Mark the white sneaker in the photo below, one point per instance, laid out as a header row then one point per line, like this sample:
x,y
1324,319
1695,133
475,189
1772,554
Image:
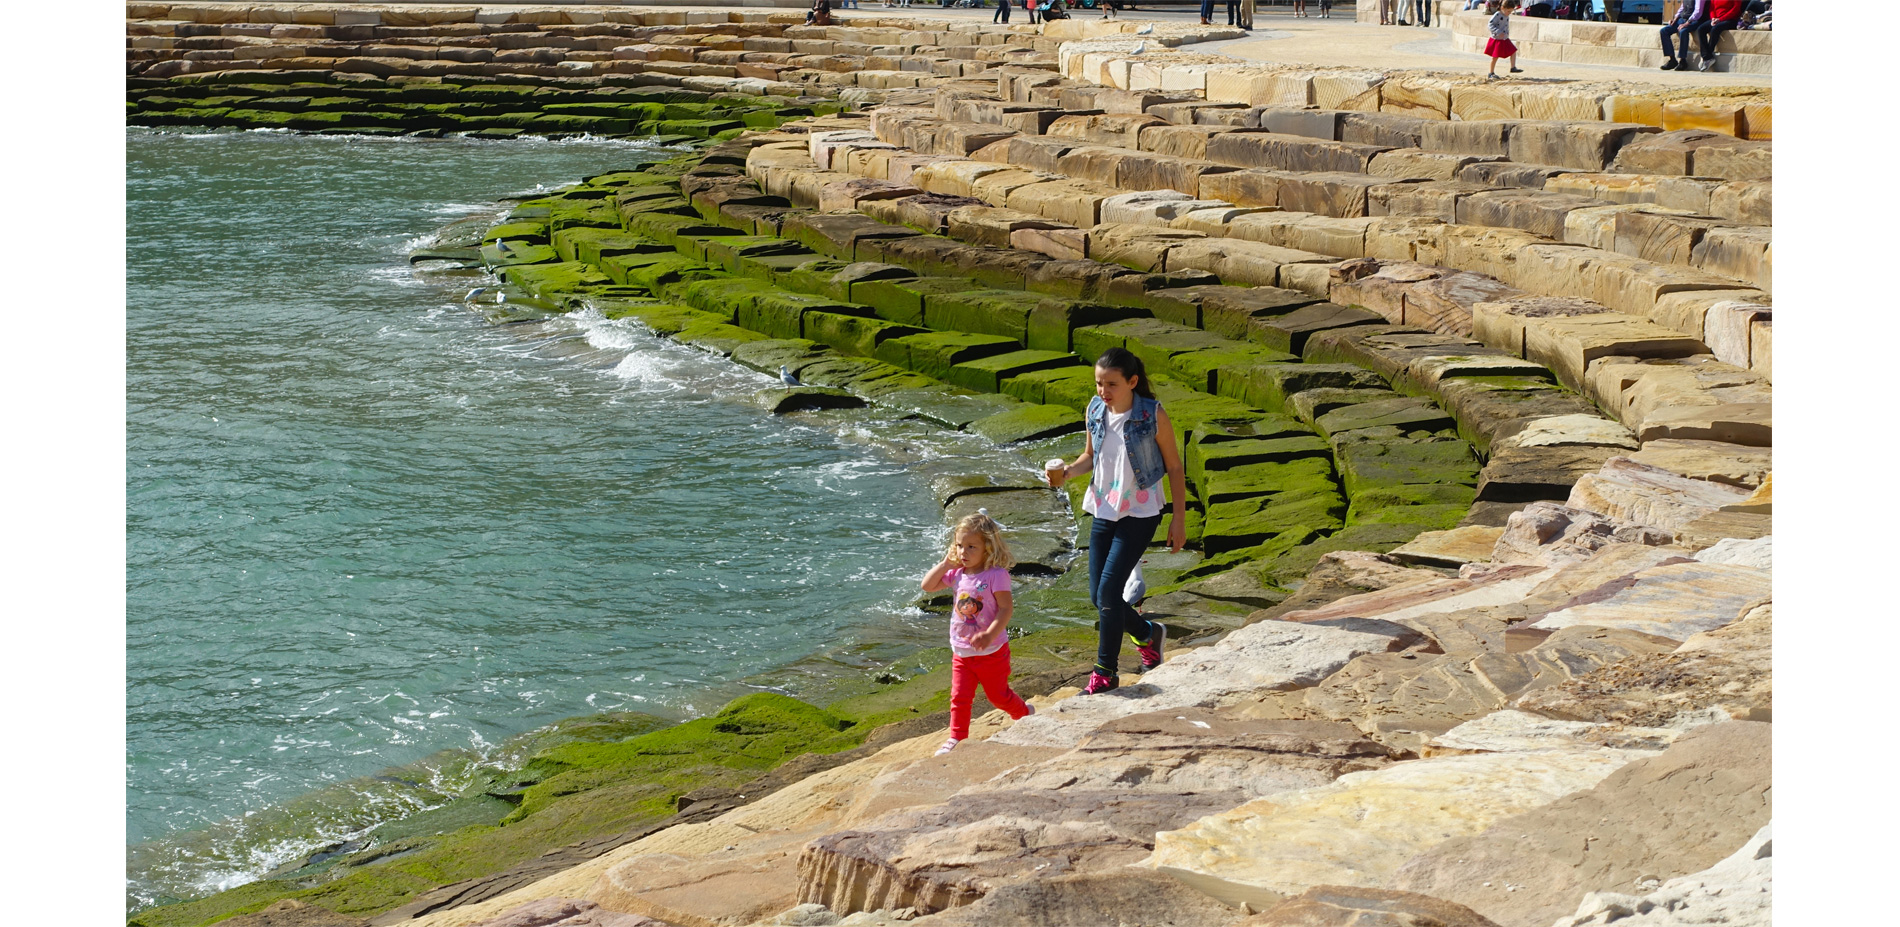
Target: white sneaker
x,y
948,746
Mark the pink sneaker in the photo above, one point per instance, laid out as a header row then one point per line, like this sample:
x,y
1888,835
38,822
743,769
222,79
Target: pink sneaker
x,y
948,746
1099,683
1151,650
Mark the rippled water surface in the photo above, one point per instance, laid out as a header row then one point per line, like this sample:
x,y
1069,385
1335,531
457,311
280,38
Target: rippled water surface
x,y
364,525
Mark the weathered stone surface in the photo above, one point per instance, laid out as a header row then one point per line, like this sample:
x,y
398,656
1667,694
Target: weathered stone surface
x,y
1350,906
1361,828
1632,493
1525,474
567,912
1405,700
1735,464
1737,891
1673,600
1548,534
1511,731
1142,247
1089,811
990,226
1562,430
1252,187
1263,655
1453,548
1242,263
1655,818
1589,146
1439,595
1343,573
1724,673
293,913
801,398
1538,212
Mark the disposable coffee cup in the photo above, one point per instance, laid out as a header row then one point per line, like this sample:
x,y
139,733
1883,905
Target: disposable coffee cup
x,y
1052,467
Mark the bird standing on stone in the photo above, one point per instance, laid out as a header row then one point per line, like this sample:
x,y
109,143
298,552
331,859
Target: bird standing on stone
x,y
786,377
1146,30
1140,47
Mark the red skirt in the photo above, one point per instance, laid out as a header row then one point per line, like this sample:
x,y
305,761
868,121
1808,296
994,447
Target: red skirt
x,y
1500,48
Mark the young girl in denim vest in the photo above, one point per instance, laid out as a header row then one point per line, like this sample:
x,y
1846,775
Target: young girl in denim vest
x,y
1130,447
977,567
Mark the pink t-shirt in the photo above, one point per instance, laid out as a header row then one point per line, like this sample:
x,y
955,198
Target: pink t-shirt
x,y
973,607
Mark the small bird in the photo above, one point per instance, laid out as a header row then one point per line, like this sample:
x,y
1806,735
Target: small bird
x,y
1146,30
1140,47
986,514
786,377
472,294
1136,590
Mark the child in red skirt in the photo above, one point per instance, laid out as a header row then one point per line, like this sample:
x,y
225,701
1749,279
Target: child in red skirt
x,y
1500,44
977,567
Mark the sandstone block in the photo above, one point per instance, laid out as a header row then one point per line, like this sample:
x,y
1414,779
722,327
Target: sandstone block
x,y
1656,818
1361,828
1659,236
1399,238
1537,212
1340,195
1269,150
1424,97
1414,164
1077,203
1718,461
1385,129
1180,141
1595,226
1242,187
1062,244
1436,199
1577,145
1672,153
1568,345
1511,174
1716,115
1747,202
1164,172
1025,152
1121,130
1476,102
1610,188
1633,493
1142,247
1241,263
1321,124
990,226
1341,905
952,177
1745,254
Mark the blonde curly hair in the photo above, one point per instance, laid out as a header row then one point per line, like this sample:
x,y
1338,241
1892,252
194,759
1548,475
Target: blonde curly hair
x,y
996,550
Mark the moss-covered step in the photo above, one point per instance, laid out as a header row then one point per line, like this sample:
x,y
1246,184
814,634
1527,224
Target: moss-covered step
x,y
500,254
1204,457
1028,423
901,300
1289,332
987,374
1312,473
933,354
840,234
1408,414
1366,465
854,334
1071,387
1268,385
1249,521
593,244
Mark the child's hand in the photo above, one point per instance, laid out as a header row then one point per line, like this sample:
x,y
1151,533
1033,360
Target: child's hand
x,y
983,638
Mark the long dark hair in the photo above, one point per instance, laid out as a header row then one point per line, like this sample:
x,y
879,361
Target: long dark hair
x,y
1124,362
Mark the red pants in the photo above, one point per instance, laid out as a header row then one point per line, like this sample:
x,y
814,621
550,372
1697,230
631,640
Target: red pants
x,y
991,671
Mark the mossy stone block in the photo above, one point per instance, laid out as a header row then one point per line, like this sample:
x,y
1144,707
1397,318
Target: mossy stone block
x,y
1423,517
816,276
934,353
768,355
1268,385
1205,458
718,337
726,250
724,296
1194,413
669,229
1201,368
1364,466
1054,321
1304,475
1028,423
572,213
1071,387
783,400
1253,520
666,319
525,232
902,300
946,405
853,334
986,374
501,254
1289,332
659,274
553,280
982,311
591,244
1409,414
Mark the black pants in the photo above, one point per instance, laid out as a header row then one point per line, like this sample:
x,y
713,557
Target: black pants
x,y
1233,12
1114,549
1682,34
1002,12
1711,33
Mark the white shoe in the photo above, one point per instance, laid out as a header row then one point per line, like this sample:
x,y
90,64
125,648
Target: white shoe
x,y
948,746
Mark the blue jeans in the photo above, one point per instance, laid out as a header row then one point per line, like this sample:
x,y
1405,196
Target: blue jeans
x,y
1682,32
1422,10
1207,10
1114,549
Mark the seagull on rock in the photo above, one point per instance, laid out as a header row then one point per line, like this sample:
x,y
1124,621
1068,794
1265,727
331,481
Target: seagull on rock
x,y
474,293
1140,47
1146,30
786,377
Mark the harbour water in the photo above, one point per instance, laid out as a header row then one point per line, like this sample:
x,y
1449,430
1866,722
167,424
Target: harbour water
x,y
364,525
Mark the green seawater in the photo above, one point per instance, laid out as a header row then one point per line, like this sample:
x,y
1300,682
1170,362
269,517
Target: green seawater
x,y
364,525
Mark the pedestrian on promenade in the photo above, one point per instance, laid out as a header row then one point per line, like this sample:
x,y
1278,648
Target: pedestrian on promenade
x,y
1129,447
1030,5
1690,16
1723,16
1233,12
1326,9
1422,11
1299,8
1002,12
977,568
1500,44
1207,12
1385,12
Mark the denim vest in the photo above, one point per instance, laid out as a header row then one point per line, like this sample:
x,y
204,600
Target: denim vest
x,y
1138,436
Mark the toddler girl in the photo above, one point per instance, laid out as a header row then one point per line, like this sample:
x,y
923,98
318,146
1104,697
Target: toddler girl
x,y
977,567
1500,44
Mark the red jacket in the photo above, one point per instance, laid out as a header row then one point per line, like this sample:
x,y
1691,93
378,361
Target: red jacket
x,y
1725,10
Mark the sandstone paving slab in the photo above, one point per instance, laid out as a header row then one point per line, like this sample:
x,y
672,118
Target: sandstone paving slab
x,y
1547,534
1263,655
1714,675
1361,828
1739,890
1438,595
1671,600
1632,493
1511,731
1567,430
1356,906
1453,548
1735,464
1091,810
1658,817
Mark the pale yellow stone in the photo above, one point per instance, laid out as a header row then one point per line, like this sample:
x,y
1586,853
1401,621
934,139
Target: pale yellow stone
x,y
1360,828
